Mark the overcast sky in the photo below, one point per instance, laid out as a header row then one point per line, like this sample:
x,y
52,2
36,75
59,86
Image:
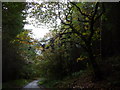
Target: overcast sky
x,y
37,32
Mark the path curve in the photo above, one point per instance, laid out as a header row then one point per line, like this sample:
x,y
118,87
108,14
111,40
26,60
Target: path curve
x,y
32,84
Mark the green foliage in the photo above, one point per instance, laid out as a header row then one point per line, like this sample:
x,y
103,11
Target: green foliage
x,y
76,74
48,83
12,19
19,50
75,42
54,62
62,60
15,84
15,53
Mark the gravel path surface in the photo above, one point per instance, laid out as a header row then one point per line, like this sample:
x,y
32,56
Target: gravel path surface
x,y
32,84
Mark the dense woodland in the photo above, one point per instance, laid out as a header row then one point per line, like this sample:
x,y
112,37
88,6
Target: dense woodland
x,y
82,49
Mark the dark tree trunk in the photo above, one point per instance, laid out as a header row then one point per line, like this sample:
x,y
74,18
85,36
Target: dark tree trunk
x,y
97,76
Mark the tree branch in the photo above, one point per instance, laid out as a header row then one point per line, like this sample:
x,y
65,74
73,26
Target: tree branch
x,y
103,10
96,9
92,21
62,20
80,10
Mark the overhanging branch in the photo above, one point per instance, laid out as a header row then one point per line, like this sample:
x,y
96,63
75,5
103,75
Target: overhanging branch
x,y
79,9
103,10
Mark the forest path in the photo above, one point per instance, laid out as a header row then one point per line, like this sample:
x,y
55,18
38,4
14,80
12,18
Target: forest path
x,y
33,85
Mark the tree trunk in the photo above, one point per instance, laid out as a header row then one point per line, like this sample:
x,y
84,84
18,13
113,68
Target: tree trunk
x,y
96,70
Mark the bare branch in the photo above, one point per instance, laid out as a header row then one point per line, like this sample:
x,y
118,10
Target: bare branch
x,y
62,20
69,13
